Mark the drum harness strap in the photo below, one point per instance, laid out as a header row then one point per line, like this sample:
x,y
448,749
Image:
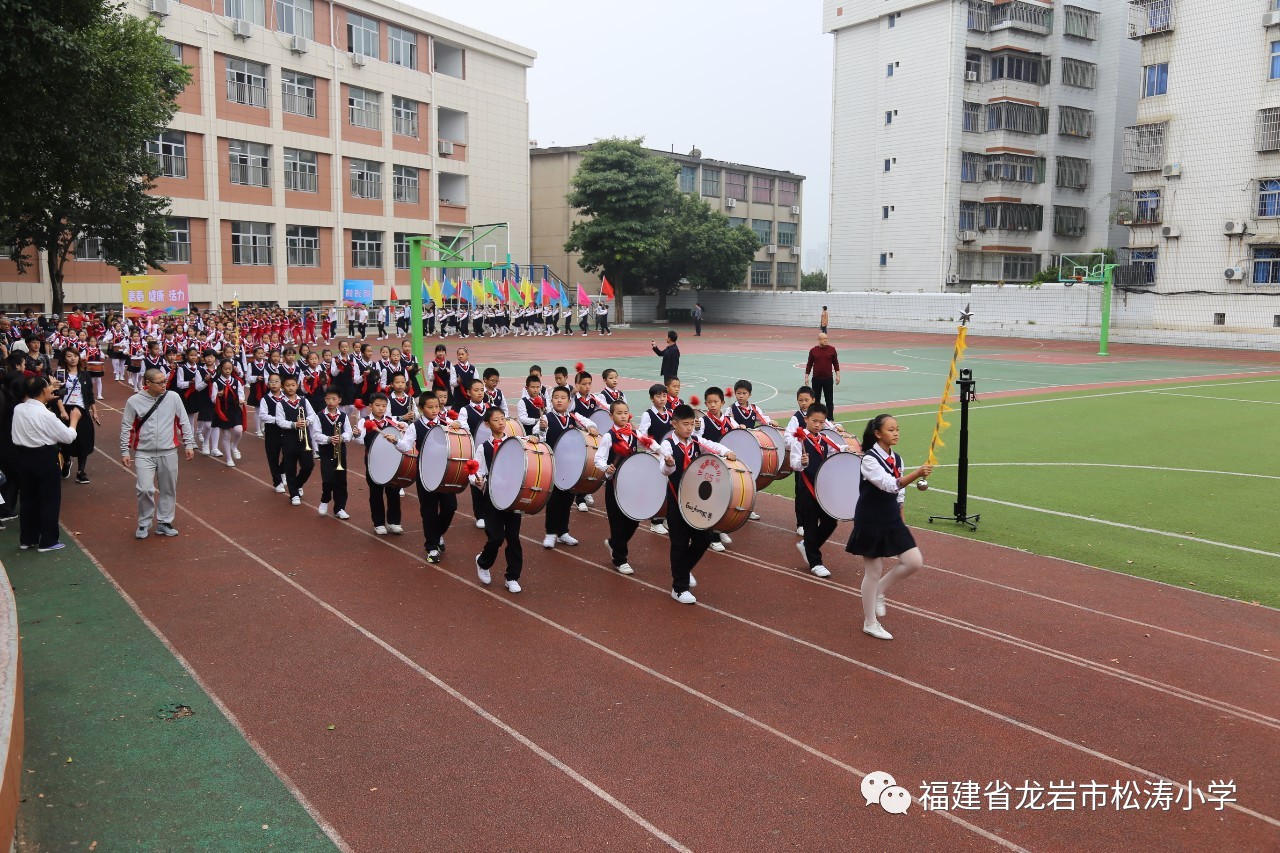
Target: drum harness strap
x,y
820,443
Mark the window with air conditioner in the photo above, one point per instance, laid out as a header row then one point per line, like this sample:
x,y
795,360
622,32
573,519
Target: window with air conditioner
x,y
735,186
362,35
296,18
969,212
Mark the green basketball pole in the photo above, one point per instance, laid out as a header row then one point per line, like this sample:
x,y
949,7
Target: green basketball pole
x,y
1108,276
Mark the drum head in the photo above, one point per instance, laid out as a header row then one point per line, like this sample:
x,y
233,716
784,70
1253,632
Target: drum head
x,y
601,419
746,447
506,477
839,439
837,484
570,459
640,486
435,457
384,458
515,428
705,491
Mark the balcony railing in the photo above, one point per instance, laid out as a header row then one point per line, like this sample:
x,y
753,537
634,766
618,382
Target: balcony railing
x,y
307,182
298,105
1144,147
1147,17
172,165
406,126
246,93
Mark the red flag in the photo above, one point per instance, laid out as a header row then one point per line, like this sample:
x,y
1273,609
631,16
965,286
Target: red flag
x,y
606,289
394,298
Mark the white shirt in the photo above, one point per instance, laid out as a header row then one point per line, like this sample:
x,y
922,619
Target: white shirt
x,y
875,474
36,426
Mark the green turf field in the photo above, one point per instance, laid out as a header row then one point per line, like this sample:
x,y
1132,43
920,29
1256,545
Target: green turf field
x,y
1199,460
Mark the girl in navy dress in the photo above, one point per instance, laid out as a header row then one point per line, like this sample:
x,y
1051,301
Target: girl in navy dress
x,y
878,528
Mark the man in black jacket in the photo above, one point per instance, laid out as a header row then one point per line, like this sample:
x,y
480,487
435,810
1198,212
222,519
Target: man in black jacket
x,y
670,357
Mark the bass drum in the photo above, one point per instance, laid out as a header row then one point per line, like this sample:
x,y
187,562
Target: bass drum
x,y
521,477
640,486
387,465
604,423
755,449
716,494
784,455
445,454
837,484
575,465
839,440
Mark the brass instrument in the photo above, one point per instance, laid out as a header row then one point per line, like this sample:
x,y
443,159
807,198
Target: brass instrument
x,y
303,432
336,440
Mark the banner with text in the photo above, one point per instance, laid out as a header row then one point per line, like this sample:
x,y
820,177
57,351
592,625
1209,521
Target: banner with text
x,y
357,290
153,295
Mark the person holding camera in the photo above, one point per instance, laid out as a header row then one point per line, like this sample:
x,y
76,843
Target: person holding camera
x,y
37,434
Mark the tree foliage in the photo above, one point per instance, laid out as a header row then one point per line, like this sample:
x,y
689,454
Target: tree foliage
x,y
816,280
90,86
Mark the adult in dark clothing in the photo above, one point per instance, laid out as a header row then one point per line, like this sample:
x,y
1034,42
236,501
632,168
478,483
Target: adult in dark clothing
x,y
824,364
697,319
670,357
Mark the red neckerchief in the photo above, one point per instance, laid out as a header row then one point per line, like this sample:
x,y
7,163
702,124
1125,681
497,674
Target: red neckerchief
x,y
588,401
892,461
672,402
614,396
688,452
402,399
719,422
662,416
478,408
563,419
624,440
751,409
333,418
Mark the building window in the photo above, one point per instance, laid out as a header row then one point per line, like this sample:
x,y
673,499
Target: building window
x,y
1146,207
1020,267
971,167
884,212
888,116
992,266
178,250
1023,68
302,245
448,59
400,244
1266,264
1013,167
404,116
884,259
787,273
246,82
176,50
969,215
888,164
366,179
251,244
979,17
1019,118
404,184
711,182
688,179
762,189
1010,216
362,35
1073,172
1155,78
1143,263
1070,221
786,236
763,229
972,117
736,221
1269,197
888,70
402,47
1073,121
891,20
762,274
1081,23
1078,73
1144,147
254,11
298,93
89,248
250,163
735,186
1149,16
1268,129
301,171
366,249
296,17
788,193
1275,60
1022,16
170,151
973,67
364,108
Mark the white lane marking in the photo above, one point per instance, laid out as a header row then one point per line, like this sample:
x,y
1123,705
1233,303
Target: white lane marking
x,y
1209,397
1109,465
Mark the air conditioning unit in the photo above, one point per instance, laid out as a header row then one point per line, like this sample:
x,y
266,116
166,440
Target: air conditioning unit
x,y
771,250
795,210
795,251
968,236
241,29
730,202
1233,273
446,148
1170,232
159,7
953,279
1271,19
971,76
357,59
299,44
1235,226
1173,170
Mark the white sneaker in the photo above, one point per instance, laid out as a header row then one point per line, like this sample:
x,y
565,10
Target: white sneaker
x,y
402,493
880,607
660,529
567,539
296,500
323,509
280,488
875,630
725,540
625,569
582,507
231,463
395,528
216,453
549,541
754,516
513,586
235,453
342,514
591,501
685,597
204,450
480,523
380,530
717,546
799,531
483,574
692,581
821,571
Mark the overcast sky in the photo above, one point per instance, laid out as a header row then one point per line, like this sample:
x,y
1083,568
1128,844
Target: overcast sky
x,y
746,81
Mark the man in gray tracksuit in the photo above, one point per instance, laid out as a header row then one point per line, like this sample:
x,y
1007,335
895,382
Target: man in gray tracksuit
x,y
153,424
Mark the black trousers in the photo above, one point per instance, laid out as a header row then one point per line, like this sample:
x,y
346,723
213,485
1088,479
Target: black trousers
x,y
697,327
382,329
297,463
333,480
687,547
502,525
384,503
818,526
827,386
271,441
621,528
351,328
559,506
437,510
480,503
39,495
9,491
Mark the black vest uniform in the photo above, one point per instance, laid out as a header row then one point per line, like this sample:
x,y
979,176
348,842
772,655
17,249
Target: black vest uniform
x,y
436,508
297,461
271,438
818,525
713,431
345,380
190,396
384,501
529,410
611,397
587,406
659,424
440,376
687,544
368,381
878,527
746,418
500,526
412,370
399,408
332,479
495,399
463,375
474,418
621,528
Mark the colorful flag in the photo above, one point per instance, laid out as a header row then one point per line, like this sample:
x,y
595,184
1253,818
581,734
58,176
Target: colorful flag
x,y
394,298
493,290
526,292
583,299
433,290
448,290
606,289
466,292
514,296
564,297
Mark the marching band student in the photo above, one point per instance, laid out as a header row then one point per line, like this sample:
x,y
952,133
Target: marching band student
x,y
532,407
559,421
460,379
673,393
712,426
295,418
493,396
441,370
464,321
610,394
809,449
437,508
345,376
188,381
384,501
474,414
330,436
656,423
568,321
204,417
227,393
620,442
744,412
502,525
399,403
412,369
289,366
367,384
804,399
561,376
585,404
687,545
268,411
602,317
136,351
879,530
584,311
314,381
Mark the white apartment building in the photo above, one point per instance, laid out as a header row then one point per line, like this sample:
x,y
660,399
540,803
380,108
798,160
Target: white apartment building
x,y
974,141
1204,156
315,137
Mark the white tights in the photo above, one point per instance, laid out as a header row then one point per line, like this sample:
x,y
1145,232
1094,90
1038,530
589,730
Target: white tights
x,y
876,582
227,440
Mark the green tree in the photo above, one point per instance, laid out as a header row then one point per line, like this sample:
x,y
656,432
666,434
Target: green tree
x,y
89,86
816,280
700,248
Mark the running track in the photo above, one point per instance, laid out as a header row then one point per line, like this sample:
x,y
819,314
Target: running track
x,y
591,711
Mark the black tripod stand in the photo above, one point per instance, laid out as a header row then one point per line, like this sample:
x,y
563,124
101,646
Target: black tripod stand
x,y
968,388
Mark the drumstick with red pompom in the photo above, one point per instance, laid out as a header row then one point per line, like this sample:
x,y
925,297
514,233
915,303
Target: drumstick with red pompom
x,y
695,402
579,367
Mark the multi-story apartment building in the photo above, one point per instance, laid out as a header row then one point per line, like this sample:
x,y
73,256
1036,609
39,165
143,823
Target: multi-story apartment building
x,y
973,141
1204,156
314,137
769,201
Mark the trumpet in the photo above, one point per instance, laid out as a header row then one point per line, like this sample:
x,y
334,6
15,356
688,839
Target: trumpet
x,y
336,441
303,432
